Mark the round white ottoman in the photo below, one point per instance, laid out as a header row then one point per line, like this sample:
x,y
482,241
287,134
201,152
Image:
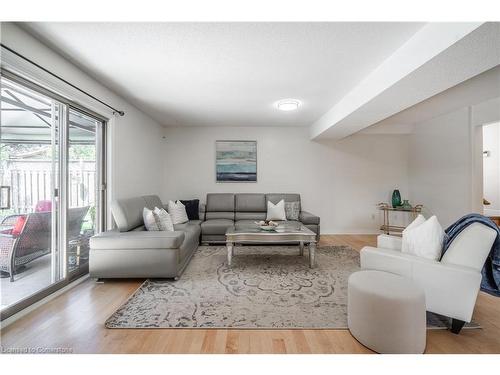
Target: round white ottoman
x,y
386,312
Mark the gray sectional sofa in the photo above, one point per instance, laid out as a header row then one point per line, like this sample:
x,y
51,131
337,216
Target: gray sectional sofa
x,y
132,252
223,210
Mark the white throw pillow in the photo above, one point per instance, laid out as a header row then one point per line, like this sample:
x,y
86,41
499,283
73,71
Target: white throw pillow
x,y
276,211
177,212
424,240
149,220
164,220
420,219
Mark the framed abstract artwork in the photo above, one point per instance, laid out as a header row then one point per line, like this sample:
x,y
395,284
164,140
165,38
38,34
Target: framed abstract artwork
x,y
236,161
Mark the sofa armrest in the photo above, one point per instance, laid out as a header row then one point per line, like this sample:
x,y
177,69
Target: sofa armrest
x,y
385,241
133,240
450,290
308,218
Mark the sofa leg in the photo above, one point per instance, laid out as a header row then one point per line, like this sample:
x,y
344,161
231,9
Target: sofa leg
x,y
456,326
99,280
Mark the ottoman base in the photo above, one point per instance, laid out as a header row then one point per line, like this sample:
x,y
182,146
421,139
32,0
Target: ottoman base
x,y
386,312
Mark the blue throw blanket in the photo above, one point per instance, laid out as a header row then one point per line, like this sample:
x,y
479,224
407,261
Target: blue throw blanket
x,y
491,270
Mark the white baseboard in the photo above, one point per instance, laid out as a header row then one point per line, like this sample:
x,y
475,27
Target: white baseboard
x,y
27,310
491,212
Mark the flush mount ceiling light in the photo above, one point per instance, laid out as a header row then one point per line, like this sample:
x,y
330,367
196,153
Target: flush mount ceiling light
x,y
288,104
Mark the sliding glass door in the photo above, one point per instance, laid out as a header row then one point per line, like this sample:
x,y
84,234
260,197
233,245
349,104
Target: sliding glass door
x,y
30,258
84,187
51,193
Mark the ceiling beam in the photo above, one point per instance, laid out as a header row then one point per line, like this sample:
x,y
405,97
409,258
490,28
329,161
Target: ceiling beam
x,y
437,57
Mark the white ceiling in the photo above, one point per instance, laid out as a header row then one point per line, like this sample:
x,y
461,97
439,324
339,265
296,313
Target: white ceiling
x,y
227,74
438,57
481,88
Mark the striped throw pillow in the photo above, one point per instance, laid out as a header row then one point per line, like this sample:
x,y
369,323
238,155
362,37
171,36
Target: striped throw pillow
x,y
149,220
177,212
163,219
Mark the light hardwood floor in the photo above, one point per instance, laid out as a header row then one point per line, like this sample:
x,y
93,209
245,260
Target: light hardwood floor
x,y
75,320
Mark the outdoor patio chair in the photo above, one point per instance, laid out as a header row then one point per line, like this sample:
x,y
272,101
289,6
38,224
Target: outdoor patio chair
x,y
33,241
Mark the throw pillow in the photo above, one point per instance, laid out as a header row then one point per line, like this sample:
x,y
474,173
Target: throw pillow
x,y
292,210
177,212
192,208
420,219
424,240
149,220
276,211
163,219
19,225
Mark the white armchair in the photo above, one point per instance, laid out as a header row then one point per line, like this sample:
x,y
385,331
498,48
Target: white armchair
x,y
452,284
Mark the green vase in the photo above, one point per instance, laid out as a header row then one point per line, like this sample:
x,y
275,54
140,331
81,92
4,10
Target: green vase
x,y
396,198
406,205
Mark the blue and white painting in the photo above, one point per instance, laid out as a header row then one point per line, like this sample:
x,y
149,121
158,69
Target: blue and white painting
x,y
236,161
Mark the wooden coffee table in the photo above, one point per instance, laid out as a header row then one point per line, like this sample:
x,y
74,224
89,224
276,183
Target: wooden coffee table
x,y
284,233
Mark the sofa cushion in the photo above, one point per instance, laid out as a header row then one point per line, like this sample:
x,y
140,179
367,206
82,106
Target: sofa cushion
x,y
216,226
240,224
250,216
220,202
287,197
152,201
137,240
250,202
190,225
128,213
219,215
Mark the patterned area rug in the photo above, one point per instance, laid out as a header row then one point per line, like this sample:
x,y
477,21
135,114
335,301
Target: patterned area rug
x,y
266,287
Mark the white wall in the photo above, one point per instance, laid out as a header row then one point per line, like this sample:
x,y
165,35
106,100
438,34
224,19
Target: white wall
x,y
135,139
445,161
339,181
440,166
491,168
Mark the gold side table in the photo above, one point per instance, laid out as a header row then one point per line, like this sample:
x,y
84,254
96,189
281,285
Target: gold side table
x,y
387,228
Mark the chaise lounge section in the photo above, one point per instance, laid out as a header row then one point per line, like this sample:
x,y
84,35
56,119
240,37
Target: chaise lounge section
x,y
132,252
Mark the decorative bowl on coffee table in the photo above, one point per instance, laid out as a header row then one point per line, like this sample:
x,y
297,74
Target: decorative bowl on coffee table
x,y
268,227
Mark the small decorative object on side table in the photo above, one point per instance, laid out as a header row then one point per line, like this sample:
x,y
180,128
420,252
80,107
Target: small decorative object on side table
x,y
396,198
387,228
406,205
